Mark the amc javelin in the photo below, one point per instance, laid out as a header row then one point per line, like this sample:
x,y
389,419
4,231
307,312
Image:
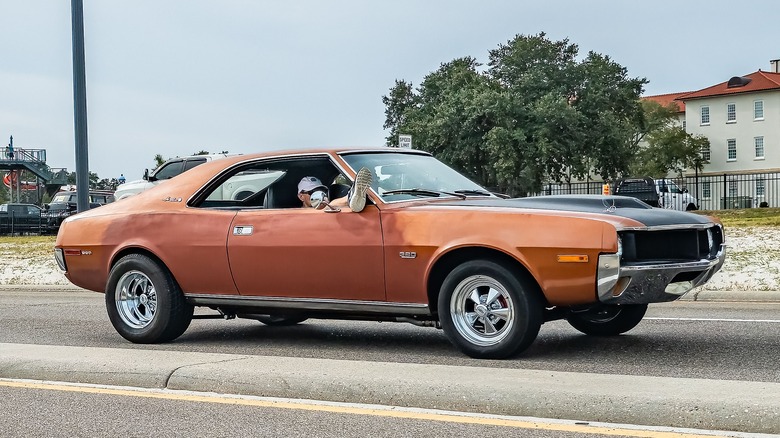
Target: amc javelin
x,y
429,247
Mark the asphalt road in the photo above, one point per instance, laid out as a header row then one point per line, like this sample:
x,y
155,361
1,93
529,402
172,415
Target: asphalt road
x,y
724,341
706,351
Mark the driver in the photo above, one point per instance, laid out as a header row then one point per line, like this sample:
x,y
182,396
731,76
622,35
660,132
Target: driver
x,y
309,185
355,199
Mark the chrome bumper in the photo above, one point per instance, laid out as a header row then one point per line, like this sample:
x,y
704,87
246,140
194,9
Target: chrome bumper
x,y
652,283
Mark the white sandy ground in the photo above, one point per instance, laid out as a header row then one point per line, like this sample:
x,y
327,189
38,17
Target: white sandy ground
x,y
752,263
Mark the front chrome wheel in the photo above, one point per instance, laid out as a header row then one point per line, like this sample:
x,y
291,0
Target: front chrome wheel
x,y
489,311
136,299
482,310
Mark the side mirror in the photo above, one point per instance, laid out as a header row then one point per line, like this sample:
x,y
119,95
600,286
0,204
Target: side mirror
x,y
319,200
146,174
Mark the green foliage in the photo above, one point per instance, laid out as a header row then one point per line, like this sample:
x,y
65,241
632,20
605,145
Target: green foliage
x,y
158,161
663,146
534,114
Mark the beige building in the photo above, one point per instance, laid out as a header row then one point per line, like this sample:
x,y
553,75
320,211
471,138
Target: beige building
x,y
741,118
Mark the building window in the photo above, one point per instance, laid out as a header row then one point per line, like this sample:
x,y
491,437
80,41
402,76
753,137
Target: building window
x,y
760,187
758,110
684,125
732,150
732,188
731,113
705,115
706,190
705,153
759,148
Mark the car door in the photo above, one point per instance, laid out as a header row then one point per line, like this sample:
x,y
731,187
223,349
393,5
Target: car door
x,y
308,253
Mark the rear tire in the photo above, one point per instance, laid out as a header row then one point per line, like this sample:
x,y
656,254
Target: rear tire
x,y
608,320
487,311
144,303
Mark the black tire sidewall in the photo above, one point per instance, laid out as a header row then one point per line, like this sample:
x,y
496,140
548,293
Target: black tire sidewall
x,y
172,311
628,318
527,310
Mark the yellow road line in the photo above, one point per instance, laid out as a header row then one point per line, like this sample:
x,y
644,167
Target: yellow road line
x,y
354,410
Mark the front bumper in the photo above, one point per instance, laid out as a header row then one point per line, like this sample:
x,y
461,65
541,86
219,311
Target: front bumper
x,y
654,283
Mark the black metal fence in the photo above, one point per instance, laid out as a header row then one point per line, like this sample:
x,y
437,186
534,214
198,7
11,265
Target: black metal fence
x,y
11,223
713,192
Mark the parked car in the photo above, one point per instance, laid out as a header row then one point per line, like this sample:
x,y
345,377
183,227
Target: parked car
x,y
167,170
20,218
663,193
64,203
430,248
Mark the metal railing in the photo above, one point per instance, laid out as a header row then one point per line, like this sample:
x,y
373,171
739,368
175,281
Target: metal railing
x,y
713,192
11,223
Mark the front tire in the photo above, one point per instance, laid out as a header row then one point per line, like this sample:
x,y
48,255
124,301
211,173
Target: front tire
x,y
144,303
487,311
608,320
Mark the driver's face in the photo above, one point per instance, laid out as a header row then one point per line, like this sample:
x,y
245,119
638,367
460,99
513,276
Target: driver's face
x,y
305,199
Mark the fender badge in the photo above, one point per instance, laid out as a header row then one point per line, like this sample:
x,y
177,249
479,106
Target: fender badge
x,y
408,254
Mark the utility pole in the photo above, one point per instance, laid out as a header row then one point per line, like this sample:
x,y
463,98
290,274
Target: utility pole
x,y
80,106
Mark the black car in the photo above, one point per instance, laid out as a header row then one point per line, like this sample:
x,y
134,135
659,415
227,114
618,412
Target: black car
x,y
20,218
64,204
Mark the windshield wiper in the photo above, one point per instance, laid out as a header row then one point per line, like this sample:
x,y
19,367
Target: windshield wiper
x,y
422,192
470,192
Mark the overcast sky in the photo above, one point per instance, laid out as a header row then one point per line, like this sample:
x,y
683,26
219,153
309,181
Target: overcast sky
x,y
177,76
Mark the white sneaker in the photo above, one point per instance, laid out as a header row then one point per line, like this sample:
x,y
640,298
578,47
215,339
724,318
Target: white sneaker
x,y
357,194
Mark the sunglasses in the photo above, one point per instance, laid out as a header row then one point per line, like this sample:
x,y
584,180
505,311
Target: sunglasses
x,y
318,189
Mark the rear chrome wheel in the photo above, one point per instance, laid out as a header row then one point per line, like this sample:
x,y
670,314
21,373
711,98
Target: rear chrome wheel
x,y
487,311
144,302
136,299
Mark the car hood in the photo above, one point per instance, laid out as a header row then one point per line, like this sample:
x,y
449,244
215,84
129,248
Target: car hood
x,y
622,206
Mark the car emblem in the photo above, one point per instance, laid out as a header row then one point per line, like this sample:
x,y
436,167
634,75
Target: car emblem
x,y
408,254
243,230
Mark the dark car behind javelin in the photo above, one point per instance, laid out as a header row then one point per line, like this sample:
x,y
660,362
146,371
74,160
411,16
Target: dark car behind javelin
x,y
20,218
63,204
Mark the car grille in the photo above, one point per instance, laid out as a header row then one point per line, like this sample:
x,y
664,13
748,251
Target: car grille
x,y
670,245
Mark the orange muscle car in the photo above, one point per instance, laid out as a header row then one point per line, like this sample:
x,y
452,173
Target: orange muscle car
x,y
429,247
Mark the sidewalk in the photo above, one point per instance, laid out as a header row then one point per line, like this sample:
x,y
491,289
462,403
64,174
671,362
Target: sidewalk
x,y
660,401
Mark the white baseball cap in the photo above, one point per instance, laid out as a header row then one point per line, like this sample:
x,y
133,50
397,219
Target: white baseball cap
x,y
309,183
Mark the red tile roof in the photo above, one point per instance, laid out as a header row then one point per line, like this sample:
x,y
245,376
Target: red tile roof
x,y
760,81
666,99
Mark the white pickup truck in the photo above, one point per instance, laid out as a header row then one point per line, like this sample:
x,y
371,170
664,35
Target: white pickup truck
x,y
167,170
663,193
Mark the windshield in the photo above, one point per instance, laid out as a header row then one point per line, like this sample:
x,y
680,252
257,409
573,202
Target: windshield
x,y
63,197
398,175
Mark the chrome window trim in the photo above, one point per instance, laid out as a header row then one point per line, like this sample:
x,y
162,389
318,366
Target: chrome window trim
x,y
273,158
311,304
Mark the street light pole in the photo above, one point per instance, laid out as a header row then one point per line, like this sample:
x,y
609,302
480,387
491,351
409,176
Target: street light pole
x,y
80,106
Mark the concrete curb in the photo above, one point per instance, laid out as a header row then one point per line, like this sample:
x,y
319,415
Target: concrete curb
x,y
659,401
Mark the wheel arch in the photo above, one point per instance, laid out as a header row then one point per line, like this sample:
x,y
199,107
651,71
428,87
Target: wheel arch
x,y
448,261
139,250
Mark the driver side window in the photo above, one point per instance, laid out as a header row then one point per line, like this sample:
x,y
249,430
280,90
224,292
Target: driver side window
x,y
271,184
